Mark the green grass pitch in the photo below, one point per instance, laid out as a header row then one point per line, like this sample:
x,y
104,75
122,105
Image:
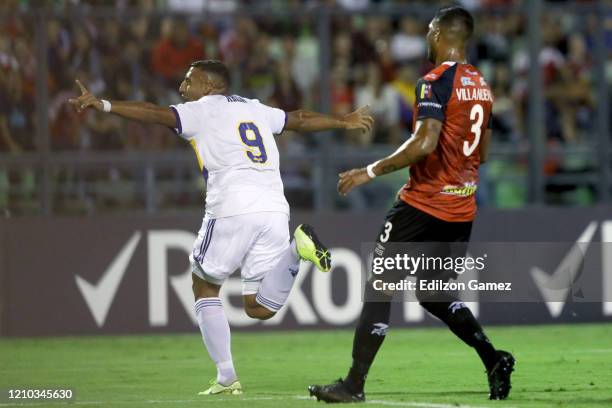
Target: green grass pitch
x,y
568,366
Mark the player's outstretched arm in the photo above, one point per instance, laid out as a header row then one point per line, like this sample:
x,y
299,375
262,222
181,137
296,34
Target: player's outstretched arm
x,y
422,143
308,121
142,111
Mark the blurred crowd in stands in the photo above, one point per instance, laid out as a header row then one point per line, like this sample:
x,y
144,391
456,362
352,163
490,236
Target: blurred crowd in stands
x,y
375,59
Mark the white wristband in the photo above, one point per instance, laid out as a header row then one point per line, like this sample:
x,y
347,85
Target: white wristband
x,y
370,170
106,105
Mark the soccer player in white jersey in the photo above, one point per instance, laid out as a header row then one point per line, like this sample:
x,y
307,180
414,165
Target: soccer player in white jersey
x,y
246,222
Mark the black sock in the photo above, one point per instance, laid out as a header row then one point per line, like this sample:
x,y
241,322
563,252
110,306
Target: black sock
x,y
462,322
369,335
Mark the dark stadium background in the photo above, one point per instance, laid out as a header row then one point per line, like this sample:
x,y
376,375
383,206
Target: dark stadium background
x,y
98,214
76,190
552,119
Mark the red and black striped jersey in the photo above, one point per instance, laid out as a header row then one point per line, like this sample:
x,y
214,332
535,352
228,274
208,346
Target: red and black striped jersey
x,y
444,183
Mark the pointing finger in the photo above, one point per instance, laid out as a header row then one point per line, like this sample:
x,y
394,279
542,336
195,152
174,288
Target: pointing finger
x,y
81,87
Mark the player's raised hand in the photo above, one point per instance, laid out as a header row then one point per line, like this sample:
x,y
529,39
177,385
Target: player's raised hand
x,y
348,180
86,99
359,119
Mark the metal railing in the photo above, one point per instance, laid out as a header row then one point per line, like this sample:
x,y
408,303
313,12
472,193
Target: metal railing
x,y
330,156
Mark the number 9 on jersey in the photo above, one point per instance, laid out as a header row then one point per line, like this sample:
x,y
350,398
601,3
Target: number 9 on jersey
x,y
249,133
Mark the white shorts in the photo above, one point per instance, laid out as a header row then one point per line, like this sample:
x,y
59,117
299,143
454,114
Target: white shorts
x,y
251,242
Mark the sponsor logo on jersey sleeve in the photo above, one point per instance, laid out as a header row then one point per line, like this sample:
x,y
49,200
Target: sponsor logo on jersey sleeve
x,y
425,91
429,105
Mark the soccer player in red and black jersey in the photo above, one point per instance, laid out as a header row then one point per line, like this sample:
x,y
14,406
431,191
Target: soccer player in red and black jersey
x,y
436,206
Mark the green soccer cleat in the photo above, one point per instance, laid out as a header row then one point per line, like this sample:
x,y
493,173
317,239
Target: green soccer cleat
x,y
215,388
310,248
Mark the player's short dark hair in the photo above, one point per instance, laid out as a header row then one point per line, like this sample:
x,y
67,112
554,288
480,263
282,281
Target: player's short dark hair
x,y
456,16
214,67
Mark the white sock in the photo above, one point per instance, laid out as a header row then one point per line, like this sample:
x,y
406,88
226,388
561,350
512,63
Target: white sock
x,y
216,334
276,285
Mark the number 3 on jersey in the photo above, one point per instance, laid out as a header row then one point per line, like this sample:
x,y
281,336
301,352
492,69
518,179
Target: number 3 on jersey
x,y
476,114
384,237
249,133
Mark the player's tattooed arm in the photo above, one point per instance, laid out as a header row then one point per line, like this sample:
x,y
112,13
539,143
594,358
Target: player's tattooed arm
x,y
422,143
390,168
308,121
142,111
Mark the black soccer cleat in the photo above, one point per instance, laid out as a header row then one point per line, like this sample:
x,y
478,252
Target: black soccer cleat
x,y
499,376
335,392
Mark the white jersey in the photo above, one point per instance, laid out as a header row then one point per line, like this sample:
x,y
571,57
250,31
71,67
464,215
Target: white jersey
x,y
233,138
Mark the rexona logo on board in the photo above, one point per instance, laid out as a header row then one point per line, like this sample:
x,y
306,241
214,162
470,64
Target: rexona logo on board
x,y
314,297
307,310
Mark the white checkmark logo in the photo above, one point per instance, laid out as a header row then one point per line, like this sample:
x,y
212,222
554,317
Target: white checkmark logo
x,y
557,286
99,297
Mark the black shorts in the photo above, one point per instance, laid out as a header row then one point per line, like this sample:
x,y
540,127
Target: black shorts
x,y
408,230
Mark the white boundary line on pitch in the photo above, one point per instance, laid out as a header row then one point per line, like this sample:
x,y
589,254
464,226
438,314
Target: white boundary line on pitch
x,y
127,402
402,404
415,404
422,404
